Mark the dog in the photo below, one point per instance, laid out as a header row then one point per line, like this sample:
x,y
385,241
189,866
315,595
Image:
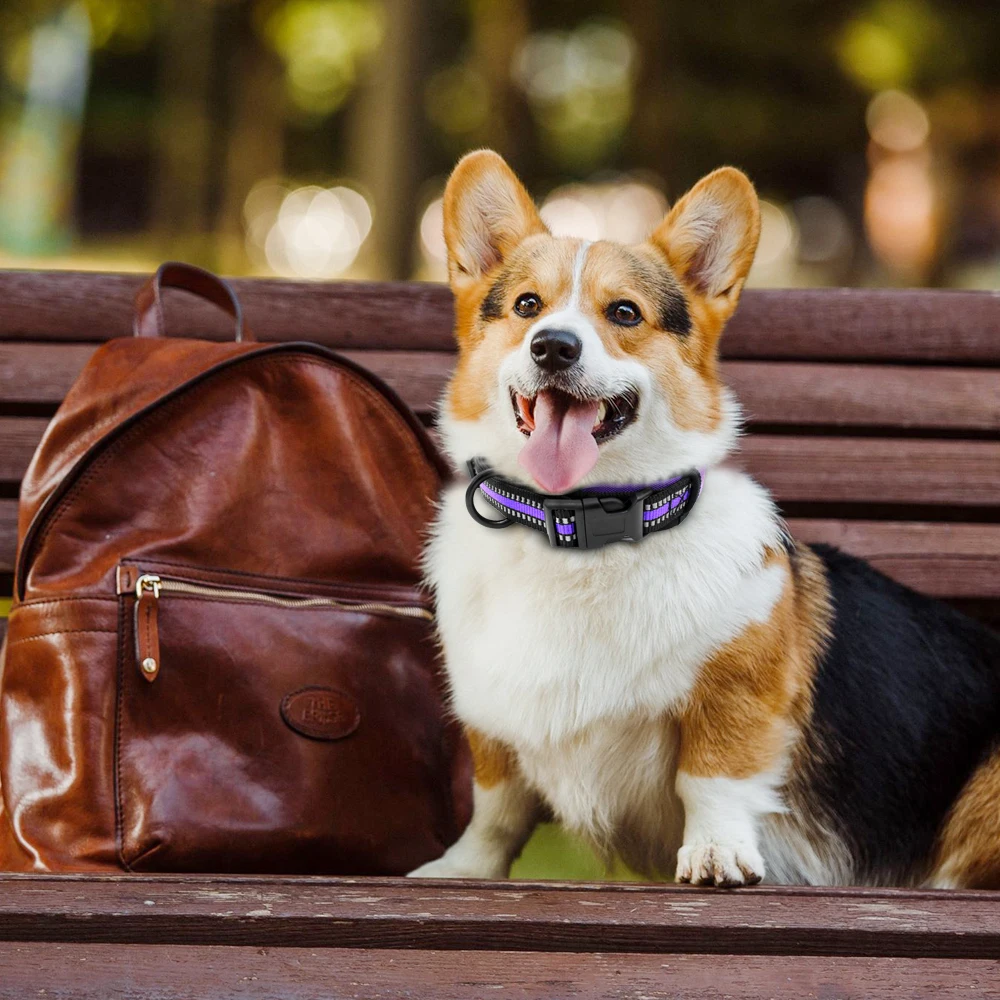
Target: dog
x,y
714,702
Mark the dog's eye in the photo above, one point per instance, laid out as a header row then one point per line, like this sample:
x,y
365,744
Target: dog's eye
x,y
528,305
624,313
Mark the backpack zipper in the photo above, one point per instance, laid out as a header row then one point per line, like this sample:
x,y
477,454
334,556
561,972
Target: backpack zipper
x,y
152,583
149,587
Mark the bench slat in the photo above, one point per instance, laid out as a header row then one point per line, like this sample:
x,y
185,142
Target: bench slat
x,y
795,469
8,535
397,913
96,972
886,324
890,396
772,393
19,437
874,470
941,559
40,374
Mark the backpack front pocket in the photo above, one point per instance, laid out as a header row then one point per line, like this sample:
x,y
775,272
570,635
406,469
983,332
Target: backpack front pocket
x,y
268,725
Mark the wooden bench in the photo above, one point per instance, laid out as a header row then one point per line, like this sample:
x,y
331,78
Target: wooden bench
x,y
874,417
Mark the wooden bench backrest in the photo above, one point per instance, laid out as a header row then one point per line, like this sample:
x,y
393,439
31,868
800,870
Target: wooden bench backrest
x,y
873,416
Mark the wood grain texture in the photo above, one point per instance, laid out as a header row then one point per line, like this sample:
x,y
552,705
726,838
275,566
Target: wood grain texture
x,y
40,373
497,916
8,535
938,558
19,438
846,395
883,324
874,470
772,393
943,560
156,972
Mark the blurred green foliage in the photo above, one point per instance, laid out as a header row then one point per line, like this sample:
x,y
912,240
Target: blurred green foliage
x,y
552,853
191,104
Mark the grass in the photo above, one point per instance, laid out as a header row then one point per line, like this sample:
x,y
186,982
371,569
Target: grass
x,y
4,607
552,853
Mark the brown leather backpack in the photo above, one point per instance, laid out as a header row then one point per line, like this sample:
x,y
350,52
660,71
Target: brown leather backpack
x,y
219,656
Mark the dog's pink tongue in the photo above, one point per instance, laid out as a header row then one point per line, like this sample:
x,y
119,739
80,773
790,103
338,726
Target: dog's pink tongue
x,y
561,449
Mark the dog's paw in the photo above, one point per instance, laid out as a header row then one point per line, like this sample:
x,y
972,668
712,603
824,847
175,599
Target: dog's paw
x,y
724,865
452,867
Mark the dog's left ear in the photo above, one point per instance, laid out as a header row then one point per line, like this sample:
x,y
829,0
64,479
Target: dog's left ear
x,y
710,236
487,212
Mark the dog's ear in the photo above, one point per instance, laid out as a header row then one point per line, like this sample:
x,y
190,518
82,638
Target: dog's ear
x,y
487,213
710,236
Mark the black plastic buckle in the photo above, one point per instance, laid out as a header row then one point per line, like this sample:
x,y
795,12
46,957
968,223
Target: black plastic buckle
x,y
598,520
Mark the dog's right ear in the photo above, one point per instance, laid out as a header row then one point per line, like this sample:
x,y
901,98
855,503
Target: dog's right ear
x,y
487,213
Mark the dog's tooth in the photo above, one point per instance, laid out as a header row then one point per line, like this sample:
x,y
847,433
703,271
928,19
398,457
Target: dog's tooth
x,y
602,412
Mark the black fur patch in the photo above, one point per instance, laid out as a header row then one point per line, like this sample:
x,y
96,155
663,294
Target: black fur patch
x,y
493,305
674,315
661,286
906,703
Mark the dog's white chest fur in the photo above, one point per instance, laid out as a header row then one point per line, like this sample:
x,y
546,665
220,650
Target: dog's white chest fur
x,y
578,659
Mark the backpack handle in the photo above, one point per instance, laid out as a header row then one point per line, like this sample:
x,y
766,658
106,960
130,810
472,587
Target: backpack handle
x,y
149,319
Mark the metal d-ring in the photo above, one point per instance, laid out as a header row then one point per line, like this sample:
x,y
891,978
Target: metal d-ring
x,y
470,502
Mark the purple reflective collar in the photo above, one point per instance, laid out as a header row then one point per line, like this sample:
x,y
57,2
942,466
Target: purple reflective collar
x,y
587,518
510,504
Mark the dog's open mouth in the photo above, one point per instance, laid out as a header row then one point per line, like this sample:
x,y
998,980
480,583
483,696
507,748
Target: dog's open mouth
x,y
563,432
612,414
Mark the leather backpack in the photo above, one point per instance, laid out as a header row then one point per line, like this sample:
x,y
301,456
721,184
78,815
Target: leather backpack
x,y
219,657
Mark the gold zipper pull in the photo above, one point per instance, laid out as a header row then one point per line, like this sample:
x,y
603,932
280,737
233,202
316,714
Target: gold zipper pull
x,y
148,582
146,626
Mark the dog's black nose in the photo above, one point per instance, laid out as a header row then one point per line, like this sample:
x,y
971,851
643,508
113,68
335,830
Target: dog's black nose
x,y
554,350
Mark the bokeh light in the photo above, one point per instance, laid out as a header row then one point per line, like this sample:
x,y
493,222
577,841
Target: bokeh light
x,y
775,262
579,84
322,43
432,239
901,201
900,214
897,122
307,232
891,41
625,210
874,55
825,236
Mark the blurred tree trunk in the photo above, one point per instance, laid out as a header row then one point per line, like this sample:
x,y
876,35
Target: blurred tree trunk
x,y
649,131
386,142
498,29
255,147
183,176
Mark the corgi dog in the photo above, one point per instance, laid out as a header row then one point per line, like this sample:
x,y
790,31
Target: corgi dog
x,y
714,702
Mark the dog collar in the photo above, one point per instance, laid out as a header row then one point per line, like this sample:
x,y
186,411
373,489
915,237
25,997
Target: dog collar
x,y
587,518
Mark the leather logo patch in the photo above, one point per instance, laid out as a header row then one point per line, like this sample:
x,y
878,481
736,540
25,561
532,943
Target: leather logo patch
x,y
320,713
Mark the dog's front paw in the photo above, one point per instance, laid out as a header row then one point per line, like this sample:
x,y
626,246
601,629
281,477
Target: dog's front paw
x,y
451,866
720,864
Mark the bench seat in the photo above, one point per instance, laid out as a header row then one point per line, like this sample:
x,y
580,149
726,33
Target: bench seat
x,y
874,418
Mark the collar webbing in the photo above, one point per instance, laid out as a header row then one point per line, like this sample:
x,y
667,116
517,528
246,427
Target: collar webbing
x,y
586,518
